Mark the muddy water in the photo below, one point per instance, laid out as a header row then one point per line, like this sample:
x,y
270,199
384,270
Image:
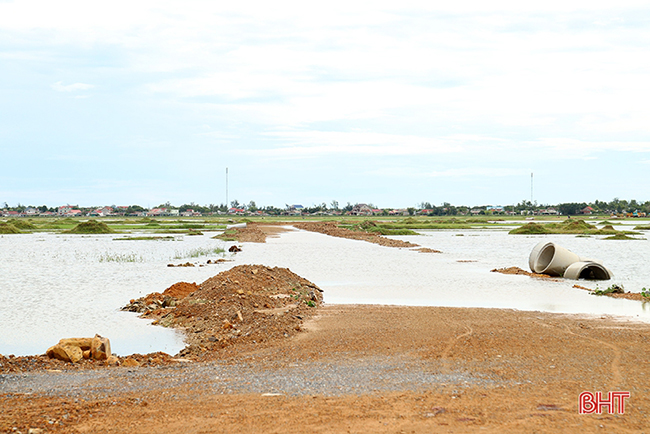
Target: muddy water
x,y
358,272
54,286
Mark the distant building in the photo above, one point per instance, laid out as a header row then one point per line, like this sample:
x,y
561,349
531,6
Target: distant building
x,y
361,209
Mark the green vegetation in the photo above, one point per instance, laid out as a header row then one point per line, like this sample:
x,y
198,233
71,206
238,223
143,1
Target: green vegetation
x,y
227,235
613,289
408,225
7,228
568,226
145,238
642,228
198,252
91,227
23,225
370,226
620,236
531,229
120,257
645,293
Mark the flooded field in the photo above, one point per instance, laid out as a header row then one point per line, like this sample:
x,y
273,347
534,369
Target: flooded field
x,y
54,286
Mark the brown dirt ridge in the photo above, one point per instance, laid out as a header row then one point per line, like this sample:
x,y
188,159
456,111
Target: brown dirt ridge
x,y
332,229
248,304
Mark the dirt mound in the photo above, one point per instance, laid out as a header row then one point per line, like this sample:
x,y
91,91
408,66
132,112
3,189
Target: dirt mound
x,y
250,234
247,304
427,250
90,227
23,224
181,290
530,229
156,300
517,270
332,229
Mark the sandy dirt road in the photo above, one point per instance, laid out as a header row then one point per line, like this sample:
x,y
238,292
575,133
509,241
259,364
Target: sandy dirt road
x,y
363,369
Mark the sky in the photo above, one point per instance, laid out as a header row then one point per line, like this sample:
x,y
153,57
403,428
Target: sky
x,y
389,103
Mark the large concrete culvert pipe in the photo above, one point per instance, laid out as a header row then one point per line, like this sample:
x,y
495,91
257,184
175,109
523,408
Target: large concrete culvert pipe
x,y
549,258
587,270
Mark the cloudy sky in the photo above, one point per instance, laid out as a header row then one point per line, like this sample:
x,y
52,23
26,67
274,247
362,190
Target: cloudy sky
x,y
392,103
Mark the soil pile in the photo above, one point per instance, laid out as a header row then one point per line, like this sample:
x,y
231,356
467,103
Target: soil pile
x,y
517,270
247,304
332,229
250,234
90,227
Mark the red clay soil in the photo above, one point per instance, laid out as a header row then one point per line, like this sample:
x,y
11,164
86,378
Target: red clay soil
x,y
332,229
517,270
248,304
476,370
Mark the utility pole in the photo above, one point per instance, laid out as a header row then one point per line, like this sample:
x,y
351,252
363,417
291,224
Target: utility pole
x,y
531,187
227,206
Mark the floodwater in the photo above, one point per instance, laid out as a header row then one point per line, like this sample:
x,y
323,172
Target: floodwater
x,y
54,286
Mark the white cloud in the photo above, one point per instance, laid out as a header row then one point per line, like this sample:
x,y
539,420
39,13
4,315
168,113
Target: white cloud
x,y
60,87
321,143
459,172
572,148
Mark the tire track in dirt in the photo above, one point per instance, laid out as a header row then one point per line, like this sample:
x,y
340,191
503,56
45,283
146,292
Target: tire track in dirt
x,y
615,366
445,366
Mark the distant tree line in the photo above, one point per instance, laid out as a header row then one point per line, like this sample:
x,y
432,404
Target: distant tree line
x,y
569,208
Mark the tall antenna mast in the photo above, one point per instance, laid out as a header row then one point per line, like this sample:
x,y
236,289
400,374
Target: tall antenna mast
x,y
226,188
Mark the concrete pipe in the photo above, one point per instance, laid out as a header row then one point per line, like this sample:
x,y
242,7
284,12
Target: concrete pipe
x,y
587,270
237,226
549,258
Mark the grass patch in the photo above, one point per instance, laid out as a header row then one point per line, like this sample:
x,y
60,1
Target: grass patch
x,y
198,252
530,229
568,226
614,289
621,236
384,229
90,227
227,235
642,228
144,238
7,228
23,225
120,257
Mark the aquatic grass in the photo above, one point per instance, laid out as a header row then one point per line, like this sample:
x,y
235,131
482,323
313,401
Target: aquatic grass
x,y
120,257
6,228
145,238
198,252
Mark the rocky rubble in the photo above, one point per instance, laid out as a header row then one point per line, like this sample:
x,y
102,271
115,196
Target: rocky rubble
x,y
156,300
74,349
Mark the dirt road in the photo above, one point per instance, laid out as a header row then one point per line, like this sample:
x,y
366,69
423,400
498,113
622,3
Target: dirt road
x,y
362,369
